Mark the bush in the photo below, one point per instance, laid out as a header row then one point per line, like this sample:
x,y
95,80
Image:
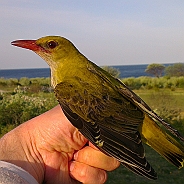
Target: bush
x,y
132,83
18,108
40,81
154,83
12,81
24,81
3,82
180,82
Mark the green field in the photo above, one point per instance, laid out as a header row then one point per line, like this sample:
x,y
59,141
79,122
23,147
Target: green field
x,y
23,99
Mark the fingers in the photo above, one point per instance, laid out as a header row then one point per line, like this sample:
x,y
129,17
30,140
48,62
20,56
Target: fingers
x,y
87,174
96,158
89,165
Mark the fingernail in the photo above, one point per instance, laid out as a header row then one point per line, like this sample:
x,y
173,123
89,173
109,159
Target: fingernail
x,y
72,165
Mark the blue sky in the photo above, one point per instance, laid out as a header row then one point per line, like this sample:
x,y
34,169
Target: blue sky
x,y
107,32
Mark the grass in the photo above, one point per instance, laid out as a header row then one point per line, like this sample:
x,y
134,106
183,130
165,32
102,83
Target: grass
x,y
168,104
160,97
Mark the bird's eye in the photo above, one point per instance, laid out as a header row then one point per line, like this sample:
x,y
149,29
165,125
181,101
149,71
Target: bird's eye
x,y
52,44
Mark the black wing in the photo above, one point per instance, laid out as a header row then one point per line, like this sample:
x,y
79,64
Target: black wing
x,y
107,119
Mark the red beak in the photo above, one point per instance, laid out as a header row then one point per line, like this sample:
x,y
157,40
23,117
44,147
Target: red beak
x,y
27,44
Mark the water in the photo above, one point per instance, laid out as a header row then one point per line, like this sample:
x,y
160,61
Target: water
x,y
29,73
132,70
126,71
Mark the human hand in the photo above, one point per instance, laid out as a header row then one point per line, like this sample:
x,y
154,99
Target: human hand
x,y
53,151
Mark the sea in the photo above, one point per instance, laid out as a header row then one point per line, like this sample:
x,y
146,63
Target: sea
x,y
125,72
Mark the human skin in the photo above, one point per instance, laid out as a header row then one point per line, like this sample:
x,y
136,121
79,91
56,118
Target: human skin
x,y
53,151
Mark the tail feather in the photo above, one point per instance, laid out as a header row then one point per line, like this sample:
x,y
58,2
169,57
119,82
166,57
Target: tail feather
x,y
162,142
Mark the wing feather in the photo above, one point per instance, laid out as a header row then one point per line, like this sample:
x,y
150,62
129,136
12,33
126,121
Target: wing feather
x,y
106,119
133,98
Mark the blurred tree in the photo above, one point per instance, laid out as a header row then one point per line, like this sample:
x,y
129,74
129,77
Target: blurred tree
x,y
113,71
175,70
155,69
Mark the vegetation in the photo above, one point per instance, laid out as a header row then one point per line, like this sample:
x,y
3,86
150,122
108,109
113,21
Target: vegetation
x,y
113,71
23,99
155,69
175,70
154,83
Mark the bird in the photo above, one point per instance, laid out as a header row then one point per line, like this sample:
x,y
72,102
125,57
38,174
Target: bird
x,y
109,114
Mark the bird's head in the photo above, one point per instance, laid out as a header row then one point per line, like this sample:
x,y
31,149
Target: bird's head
x,y
52,49
56,51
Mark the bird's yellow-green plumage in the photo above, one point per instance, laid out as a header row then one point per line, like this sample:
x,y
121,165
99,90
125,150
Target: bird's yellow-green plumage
x,y
104,109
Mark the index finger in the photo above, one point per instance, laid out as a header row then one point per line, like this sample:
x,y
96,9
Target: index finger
x,y
90,155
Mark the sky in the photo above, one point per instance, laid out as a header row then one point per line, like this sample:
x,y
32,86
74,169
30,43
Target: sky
x,y
107,32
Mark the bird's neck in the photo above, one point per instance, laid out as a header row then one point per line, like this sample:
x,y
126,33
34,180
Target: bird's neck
x,y
67,68
64,71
